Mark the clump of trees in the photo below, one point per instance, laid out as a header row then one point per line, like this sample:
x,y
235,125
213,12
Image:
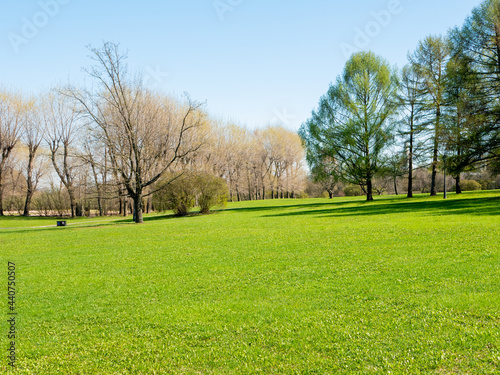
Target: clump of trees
x,y
116,147
375,126
110,147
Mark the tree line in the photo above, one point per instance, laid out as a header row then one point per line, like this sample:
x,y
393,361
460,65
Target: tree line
x,y
441,110
107,147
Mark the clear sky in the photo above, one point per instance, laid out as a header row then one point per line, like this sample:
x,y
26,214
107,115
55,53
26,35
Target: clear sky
x,y
253,61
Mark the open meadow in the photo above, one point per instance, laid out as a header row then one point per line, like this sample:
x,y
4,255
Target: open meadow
x,y
311,286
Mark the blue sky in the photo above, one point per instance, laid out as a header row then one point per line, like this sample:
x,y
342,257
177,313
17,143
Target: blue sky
x,y
253,61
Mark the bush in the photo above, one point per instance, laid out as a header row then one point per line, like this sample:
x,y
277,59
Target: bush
x,y
487,184
181,194
353,191
212,191
176,194
301,195
470,185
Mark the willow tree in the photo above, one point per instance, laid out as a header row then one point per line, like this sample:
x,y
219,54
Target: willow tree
x,y
11,126
353,124
34,133
145,133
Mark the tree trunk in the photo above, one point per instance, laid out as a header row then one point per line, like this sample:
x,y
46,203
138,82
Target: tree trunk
x,y
27,204
138,208
120,205
330,194
79,209
71,194
435,156
434,174
457,184
396,185
99,205
29,186
410,160
1,194
369,190
410,175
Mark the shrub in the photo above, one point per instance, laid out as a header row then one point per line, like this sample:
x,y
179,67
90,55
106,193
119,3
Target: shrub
x,y
176,194
353,191
181,194
212,191
301,195
487,184
470,185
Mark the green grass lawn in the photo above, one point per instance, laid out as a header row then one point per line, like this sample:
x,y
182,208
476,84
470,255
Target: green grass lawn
x,y
311,286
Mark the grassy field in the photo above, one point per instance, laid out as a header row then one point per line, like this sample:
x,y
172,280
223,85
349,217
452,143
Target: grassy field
x,y
277,287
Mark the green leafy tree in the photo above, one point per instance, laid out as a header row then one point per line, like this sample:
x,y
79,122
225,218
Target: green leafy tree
x,y
353,124
464,115
410,125
477,45
429,61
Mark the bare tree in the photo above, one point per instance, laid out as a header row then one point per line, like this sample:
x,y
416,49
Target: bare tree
x,y
34,132
60,121
144,133
95,155
11,121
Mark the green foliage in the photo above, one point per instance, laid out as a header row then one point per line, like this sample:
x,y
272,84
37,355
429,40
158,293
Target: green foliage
x,y
302,195
290,287
352,126
212,191
176,193
475,48
353,191
470,185
487,184
181,193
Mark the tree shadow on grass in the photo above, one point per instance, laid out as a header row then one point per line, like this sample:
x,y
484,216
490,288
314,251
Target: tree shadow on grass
x,y
148,219
476,206
331,203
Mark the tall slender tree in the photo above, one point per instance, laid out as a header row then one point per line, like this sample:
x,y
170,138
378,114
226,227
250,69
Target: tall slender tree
x,y
476,45
34,133
60,119
429,61
409,99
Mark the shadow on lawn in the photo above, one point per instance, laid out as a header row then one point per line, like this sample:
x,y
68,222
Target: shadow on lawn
x,y
475,206
147,219
331,203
